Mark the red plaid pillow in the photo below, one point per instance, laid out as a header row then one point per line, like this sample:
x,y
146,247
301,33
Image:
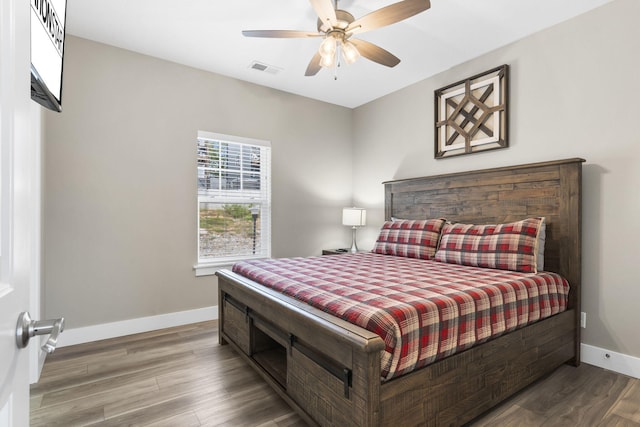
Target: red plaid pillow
x,y
512,246
409,238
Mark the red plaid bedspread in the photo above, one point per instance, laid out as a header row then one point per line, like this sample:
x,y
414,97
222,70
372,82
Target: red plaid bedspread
x,y
423,310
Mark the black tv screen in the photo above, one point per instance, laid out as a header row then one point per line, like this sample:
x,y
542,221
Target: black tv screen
x,y
47,51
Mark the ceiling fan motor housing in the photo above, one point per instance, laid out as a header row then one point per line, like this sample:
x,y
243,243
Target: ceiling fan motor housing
x,y
344,18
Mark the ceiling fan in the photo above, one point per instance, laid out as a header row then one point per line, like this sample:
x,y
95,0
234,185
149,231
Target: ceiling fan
x,y
337,28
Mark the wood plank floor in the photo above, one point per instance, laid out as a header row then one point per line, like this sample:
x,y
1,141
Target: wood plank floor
x,y
182,377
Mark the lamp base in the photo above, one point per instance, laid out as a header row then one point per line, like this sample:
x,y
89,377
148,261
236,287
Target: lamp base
x,y
354,246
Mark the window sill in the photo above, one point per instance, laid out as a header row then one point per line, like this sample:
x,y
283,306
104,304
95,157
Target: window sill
x,y
210,268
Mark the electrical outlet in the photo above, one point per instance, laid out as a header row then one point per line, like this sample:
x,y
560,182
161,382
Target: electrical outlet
x,y
583,319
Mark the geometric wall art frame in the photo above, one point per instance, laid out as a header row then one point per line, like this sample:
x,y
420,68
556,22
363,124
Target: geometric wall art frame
x,y
472,115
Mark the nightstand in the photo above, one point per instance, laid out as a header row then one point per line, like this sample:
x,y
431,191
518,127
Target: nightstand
x,y
340,251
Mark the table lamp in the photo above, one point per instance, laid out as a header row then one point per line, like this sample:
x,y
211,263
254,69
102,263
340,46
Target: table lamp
x,y
354,218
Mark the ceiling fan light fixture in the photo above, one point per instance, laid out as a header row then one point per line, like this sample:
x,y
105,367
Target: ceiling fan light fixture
x,y
349,52
328,46
328,61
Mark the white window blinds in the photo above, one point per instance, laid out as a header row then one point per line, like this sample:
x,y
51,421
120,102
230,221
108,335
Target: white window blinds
x,y
234,198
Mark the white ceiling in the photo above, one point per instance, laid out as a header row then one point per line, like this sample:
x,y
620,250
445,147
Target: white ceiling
x,y
206,34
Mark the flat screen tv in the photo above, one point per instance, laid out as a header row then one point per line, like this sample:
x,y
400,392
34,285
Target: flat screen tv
x,y
47,51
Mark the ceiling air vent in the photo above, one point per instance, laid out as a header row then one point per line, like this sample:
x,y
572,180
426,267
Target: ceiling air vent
x,y
261,66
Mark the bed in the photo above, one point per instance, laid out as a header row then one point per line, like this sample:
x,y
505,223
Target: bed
x,y
331,371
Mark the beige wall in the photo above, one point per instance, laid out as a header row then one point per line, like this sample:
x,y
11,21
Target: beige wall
x,y
574,91
120,180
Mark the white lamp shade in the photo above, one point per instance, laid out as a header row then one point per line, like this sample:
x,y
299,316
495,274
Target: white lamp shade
x,y
354,217
350,52
328,61
328,46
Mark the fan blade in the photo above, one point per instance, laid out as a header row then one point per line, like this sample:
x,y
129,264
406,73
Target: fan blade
x,y
314,65
375,53
326,12
388,15
280,34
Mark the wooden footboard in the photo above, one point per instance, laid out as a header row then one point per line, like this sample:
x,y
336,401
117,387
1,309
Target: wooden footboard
x,y
328,370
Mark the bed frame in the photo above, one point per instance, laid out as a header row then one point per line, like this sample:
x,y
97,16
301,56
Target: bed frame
x,y
329,370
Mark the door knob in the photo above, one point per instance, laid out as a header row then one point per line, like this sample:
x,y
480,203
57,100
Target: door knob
x,y
28,328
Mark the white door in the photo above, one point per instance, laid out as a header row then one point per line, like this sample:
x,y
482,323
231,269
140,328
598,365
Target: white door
x,y
17,214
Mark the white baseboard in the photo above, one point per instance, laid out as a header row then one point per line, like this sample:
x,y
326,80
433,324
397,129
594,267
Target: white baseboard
x,y
617,362
134,326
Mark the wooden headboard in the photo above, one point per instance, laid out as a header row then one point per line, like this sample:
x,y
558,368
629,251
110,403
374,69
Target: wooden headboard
x,y
492,196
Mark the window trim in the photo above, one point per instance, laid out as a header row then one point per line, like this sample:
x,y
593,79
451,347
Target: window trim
x,y
204,267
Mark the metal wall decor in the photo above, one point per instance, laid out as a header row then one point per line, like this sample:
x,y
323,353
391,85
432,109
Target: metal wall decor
x,y
471,115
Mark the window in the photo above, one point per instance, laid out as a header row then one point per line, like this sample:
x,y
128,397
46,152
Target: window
x,y
234,200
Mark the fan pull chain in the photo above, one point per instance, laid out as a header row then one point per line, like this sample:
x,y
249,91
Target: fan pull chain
x,y
335,70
